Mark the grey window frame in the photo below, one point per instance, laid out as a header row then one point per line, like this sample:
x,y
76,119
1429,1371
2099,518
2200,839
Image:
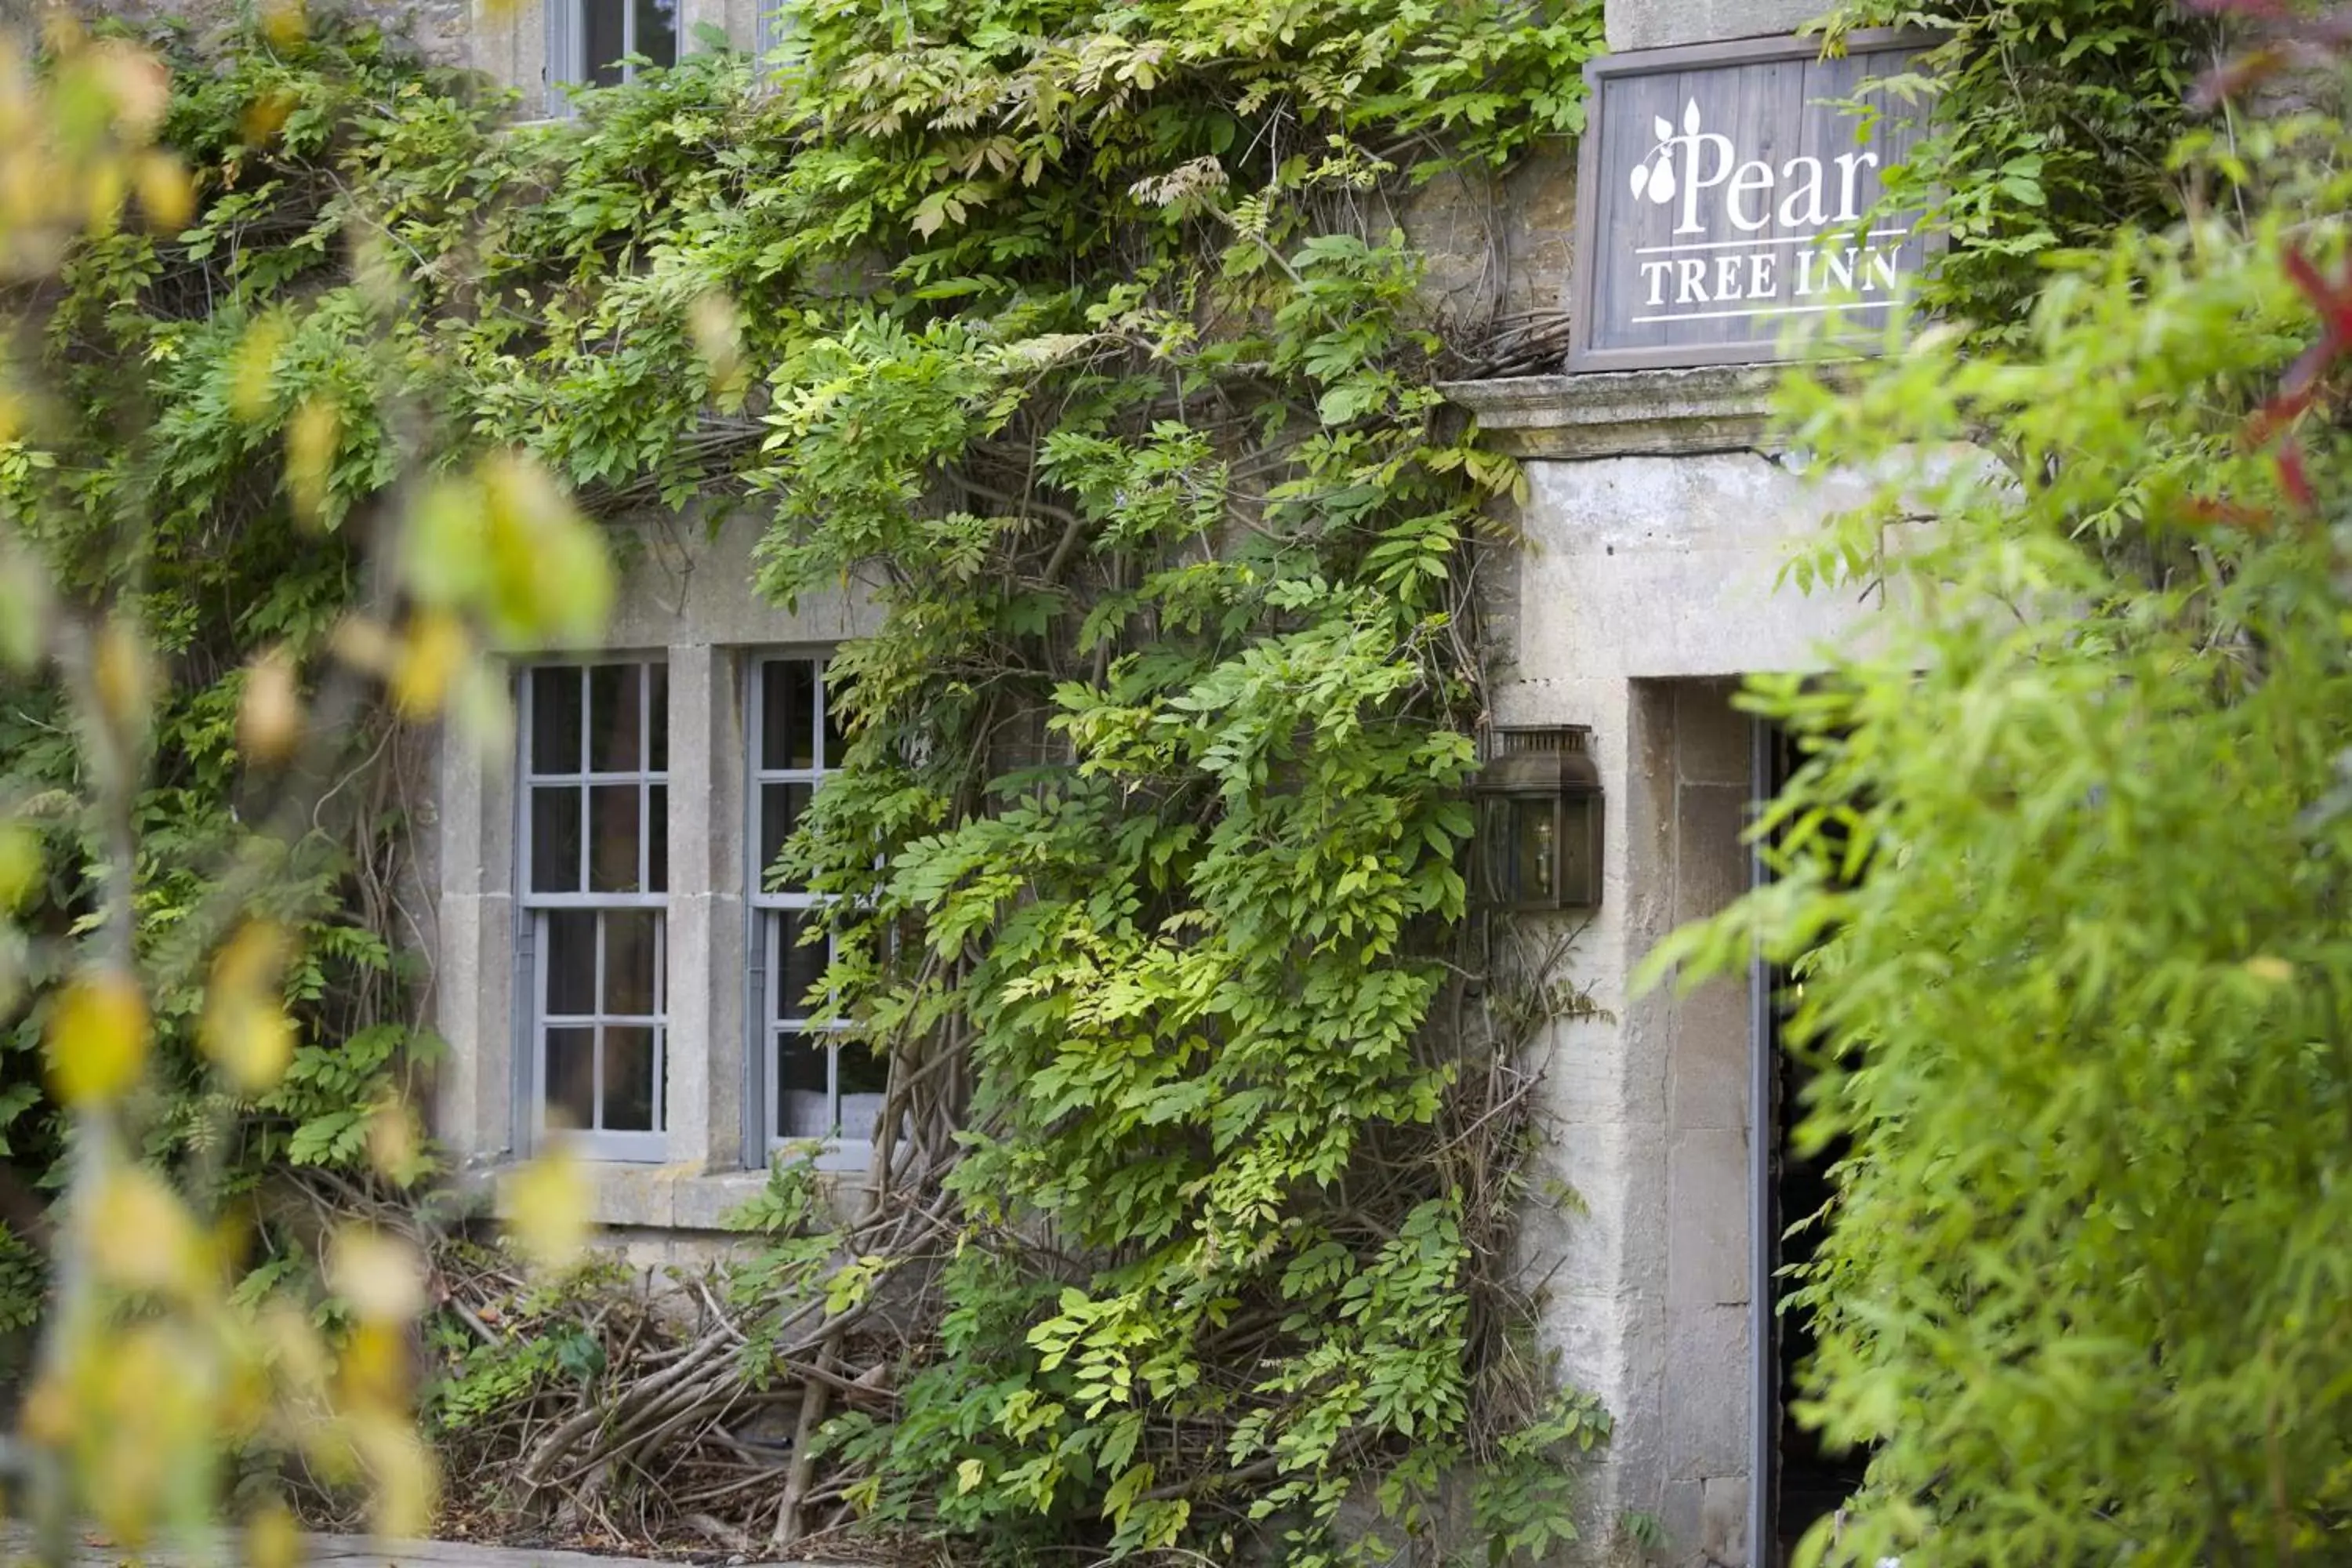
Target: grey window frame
x,y
763,945
532,909
770,33
567,48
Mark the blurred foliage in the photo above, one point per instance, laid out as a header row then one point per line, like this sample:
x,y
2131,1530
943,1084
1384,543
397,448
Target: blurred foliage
x,y
2064,876
216,451
2047,124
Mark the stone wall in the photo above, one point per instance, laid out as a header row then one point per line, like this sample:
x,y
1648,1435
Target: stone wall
x,y
1658,24
1495,249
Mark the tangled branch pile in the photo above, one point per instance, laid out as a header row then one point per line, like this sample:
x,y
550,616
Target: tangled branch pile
x,y
626,1414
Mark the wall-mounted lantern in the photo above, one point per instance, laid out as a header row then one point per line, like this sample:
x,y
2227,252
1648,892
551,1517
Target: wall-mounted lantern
x,y
1538,797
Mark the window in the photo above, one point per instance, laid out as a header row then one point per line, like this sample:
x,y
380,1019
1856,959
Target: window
x,y
808,1084
588,39
593,847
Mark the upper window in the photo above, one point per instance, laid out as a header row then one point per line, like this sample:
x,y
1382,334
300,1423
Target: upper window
x,y
811,1085
592,41
595,862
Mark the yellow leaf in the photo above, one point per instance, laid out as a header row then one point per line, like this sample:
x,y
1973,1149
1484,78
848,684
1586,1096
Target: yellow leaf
x,y
546,1208
380,1276
139,84
123,675
365,644
141,1237
394,1147
165,194
49,1416
718,333
147,1444
402,1469
254,367
507,543
272,1540
551,575
969,1474
97,1038
310,438
284,22
373,1372
20,864
296,1353
252,959
266,115
429,660
245,1030
269,713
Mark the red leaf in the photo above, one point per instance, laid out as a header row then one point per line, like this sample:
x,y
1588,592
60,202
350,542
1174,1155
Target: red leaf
x,y
2332,301
2294,480
2207,509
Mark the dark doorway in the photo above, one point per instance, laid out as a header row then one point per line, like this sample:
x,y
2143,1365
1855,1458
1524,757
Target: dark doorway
x,y
1803,1480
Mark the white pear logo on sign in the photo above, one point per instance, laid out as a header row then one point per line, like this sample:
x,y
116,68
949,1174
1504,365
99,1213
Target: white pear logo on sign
x,y
1654,175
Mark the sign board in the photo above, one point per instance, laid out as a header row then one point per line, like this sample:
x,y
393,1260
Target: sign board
x,y
1720,199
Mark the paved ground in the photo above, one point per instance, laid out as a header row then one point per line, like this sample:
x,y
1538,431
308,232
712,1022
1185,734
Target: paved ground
x,y
355,1551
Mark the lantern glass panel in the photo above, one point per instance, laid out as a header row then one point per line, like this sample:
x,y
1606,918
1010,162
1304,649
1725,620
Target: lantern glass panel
x,y
1579,851
1535,852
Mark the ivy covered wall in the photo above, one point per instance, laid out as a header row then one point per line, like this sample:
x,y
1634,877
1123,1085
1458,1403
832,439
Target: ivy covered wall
x,y
1091,344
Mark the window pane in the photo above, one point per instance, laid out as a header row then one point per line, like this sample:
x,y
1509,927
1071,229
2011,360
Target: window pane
x,y
629,1069
613,854
787,716
555,720
570,962
657,718
658,31
780,805
631,952
601,42
835,744
657,838
616,719
555,839
571,1077
802,1109
798,966
864,1079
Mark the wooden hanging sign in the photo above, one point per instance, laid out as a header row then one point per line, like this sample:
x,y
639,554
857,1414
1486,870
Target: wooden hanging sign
x,y
1721,196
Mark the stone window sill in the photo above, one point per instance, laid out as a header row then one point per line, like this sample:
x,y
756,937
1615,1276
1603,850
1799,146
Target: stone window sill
x,y
653,1197
624,1195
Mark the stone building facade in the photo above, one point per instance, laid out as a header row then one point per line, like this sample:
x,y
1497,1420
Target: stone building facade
x,y
1657,521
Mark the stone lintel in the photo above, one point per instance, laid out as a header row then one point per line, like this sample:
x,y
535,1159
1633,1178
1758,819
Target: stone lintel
x,y
1625,413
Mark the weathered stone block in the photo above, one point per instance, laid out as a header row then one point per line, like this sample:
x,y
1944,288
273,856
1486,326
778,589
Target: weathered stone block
x,y
1708,1083
1659,23
1714,741
1707,1253
1706,1392
1723,1517
1711,868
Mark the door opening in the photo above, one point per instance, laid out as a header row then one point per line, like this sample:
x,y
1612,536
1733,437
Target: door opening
x,y
1799,1480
